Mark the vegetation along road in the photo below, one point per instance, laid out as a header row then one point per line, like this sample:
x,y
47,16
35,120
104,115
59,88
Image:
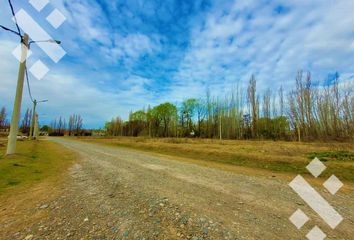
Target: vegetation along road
x,y
114,192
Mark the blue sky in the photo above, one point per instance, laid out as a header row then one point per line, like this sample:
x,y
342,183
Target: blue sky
x,y
124,55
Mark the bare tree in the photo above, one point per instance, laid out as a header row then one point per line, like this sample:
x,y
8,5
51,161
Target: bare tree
x,y
253,101
281,100
201,113
78,124
3,118
61,126
266,103
306,112
26,121
70,125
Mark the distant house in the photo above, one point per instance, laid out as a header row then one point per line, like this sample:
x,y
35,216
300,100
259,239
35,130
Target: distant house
x,y
98,133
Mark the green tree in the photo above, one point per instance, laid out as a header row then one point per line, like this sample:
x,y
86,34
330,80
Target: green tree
x,y
188,110
138,116
165,113
137,122
45,128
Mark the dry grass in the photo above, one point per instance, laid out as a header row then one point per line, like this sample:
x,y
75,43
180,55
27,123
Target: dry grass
x,y
35,162
275,156
28,180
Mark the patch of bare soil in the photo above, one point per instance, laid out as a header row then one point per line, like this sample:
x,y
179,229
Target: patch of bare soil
x,y
20,210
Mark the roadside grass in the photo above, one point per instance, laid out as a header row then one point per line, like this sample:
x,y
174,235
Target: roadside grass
x,y
275,156
35,162
334,155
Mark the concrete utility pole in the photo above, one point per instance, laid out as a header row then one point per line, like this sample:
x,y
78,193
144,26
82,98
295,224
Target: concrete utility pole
x,y
11,145
36,127
33,119
35,102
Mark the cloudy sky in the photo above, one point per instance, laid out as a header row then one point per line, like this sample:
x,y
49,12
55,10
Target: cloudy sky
x,y
124,55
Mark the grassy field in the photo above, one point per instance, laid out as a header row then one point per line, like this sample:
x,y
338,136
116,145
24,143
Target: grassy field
x,y
275,156
35,162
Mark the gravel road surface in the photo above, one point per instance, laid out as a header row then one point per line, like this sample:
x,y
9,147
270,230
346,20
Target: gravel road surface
x,y
118,193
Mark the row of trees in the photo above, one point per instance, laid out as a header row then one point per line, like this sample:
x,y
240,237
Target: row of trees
x,y
25,122
59,126
307,112
4,123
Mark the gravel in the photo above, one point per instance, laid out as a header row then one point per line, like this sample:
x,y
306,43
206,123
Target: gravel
x,y
114,193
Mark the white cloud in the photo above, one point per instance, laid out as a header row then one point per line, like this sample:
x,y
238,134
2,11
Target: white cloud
x,y
250,38
68,94
129,48
234,40
8,74
69,87
93,27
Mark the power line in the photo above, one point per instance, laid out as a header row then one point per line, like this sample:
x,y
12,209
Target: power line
x,y
19,34
28,85
14,16
10,30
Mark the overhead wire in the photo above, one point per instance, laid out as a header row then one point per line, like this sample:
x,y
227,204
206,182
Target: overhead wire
x,y
28,85
20,35
14,16
10,30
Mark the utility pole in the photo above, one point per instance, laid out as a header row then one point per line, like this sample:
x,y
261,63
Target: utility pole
x,y
36,127
25,45
11,145
35,102
33,119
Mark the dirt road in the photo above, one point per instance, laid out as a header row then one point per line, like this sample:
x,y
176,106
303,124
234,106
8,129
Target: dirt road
x,y
114,193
